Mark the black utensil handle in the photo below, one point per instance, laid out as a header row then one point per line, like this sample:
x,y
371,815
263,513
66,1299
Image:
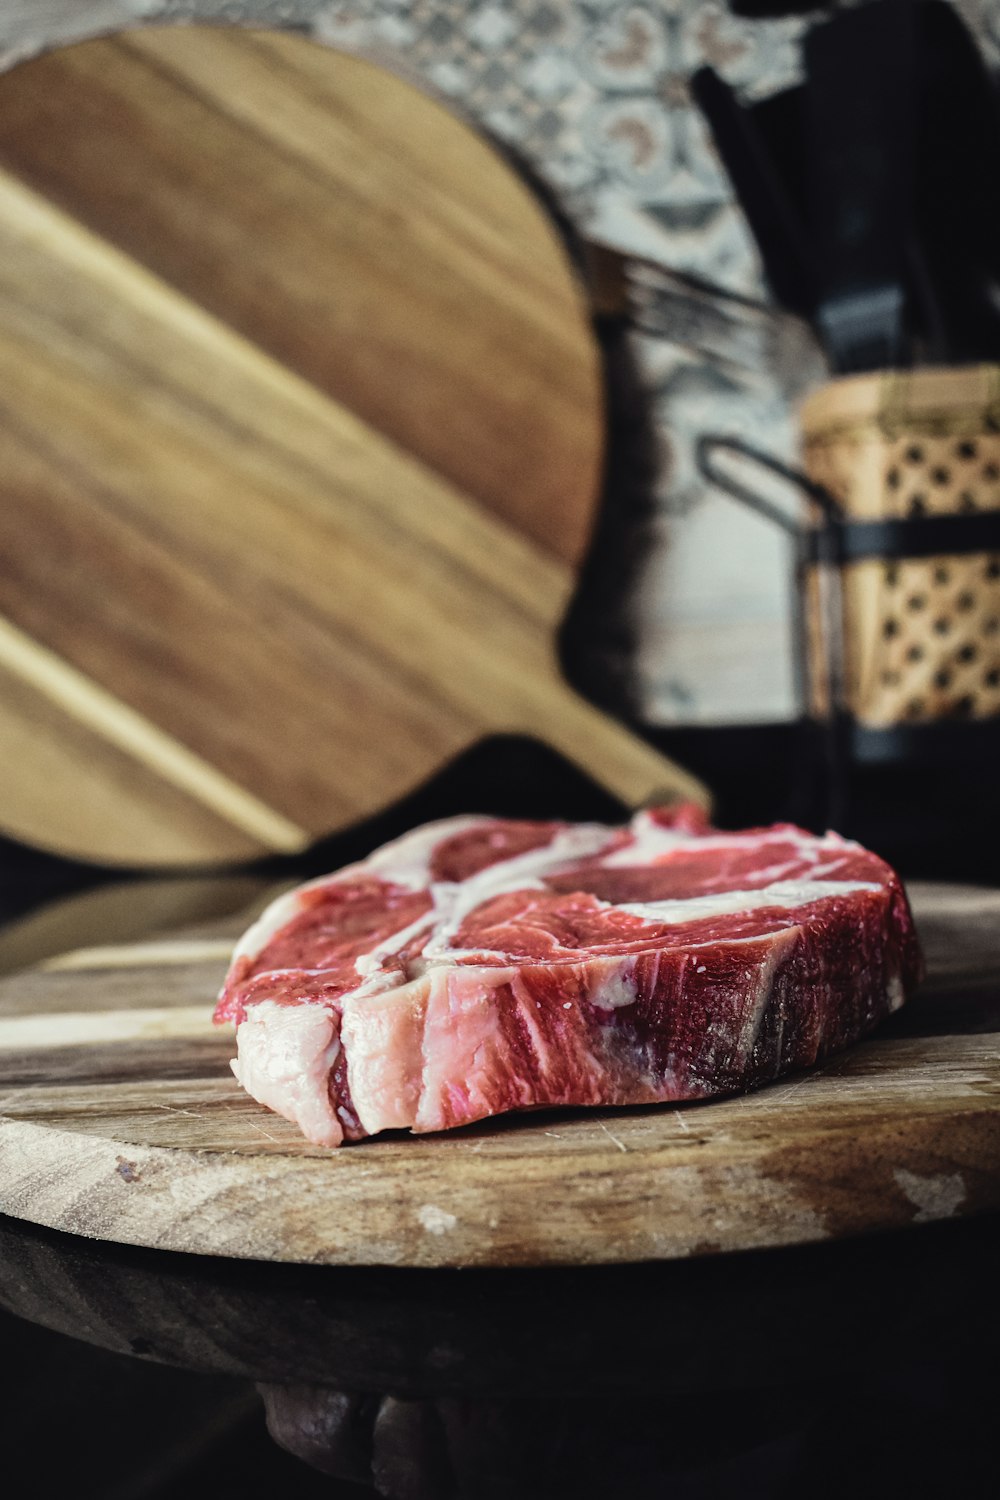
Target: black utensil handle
x,y
710,444
860,122
756,172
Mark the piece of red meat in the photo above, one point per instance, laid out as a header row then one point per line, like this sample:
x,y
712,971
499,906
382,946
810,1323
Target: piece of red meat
x,y
481,965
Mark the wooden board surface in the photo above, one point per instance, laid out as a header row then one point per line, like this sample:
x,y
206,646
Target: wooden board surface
x,y
119,1119
301,431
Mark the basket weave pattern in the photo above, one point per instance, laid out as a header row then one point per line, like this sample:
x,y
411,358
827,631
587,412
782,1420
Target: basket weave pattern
x,y
921,635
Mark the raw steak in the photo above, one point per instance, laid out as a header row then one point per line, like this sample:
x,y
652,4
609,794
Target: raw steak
x,y
479,965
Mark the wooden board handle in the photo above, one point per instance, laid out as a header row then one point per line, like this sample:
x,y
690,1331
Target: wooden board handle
x,y
611,752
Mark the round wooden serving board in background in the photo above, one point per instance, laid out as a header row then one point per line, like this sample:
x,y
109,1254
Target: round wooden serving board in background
x,y
119,1119
301,433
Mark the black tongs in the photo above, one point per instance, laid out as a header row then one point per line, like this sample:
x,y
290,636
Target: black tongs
x,y
869,187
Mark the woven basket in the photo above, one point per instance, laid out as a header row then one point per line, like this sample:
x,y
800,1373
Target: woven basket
x,y
921,636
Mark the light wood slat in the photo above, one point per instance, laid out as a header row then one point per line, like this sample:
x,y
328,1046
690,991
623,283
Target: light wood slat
x,y
118,1118
136,955
60,776
46,991
96,1028
129,732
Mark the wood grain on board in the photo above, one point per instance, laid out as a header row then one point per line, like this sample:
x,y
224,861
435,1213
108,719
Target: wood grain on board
x,y
348,226
119,1119
300,428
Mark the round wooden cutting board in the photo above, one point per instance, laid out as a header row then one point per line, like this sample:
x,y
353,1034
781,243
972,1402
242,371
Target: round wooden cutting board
x,y
301,433
119,1120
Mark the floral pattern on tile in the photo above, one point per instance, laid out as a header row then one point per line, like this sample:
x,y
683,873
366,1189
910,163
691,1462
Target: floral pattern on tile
x,y
594,93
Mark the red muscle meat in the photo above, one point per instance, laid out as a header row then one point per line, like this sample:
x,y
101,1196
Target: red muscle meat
x,y
481,965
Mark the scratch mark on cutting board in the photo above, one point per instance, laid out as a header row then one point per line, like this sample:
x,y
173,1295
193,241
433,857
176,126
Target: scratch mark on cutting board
x,y
934,1196
435,1219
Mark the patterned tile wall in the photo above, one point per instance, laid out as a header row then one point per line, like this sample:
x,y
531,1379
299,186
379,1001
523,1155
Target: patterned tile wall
x,y
595,94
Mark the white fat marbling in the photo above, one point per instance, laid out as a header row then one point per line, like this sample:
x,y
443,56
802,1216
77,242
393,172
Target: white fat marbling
x,y
782,893
650,840
453,901
371,964
284,1057
524,872
407,860
404,861
617,990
